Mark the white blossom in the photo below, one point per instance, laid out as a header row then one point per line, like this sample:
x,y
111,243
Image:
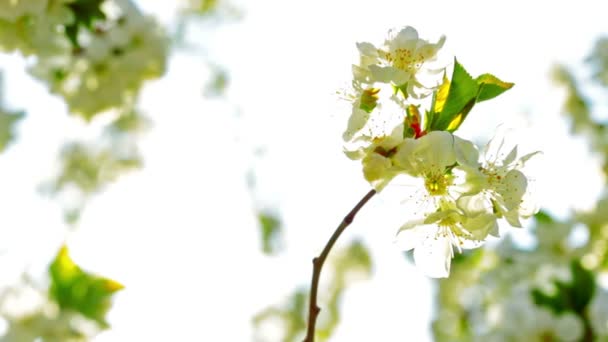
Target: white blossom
x,y
403,60
497,184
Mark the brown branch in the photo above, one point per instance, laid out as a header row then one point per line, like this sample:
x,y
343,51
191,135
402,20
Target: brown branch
x,y
317,265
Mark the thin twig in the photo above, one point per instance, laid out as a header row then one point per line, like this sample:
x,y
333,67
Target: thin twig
x,y
317,265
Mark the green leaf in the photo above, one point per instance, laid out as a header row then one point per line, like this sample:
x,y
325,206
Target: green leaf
x,y
74,289
455,98
491,86
462,91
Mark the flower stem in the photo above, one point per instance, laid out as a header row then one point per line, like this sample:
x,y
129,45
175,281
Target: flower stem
x,y
317,265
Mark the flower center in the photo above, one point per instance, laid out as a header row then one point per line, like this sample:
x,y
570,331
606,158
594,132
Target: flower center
x,y
492,173
437,183
404,60
447,222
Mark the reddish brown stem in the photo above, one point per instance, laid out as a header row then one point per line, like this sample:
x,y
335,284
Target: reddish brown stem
x,y
317,265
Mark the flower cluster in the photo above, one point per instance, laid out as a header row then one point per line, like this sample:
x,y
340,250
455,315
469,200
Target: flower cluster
x,y
462,192
96,55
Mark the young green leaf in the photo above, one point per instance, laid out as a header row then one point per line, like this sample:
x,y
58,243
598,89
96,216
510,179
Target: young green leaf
x,y
462,91
491,86
455,98
74,289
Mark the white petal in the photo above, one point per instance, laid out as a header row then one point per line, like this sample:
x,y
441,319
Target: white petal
x,y
474,204
389,74
512,217
436,149
358,119
511,156
354,154
434,256
494,146
404,157
480,226
528,206
375,167
475,180
410,235
522,161
361,74
515,184
407,33
367,49
466,152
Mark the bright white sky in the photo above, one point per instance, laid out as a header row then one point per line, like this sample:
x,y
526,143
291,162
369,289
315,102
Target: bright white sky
x,y
181,234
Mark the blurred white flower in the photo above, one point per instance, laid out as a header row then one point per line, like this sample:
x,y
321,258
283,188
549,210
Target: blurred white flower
x,y
598,312
112,66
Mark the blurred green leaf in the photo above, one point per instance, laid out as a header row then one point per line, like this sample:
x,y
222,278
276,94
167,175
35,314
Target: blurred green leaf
x,y
89,170
270,227
354,258
599,61
350,264
86,13
344,267
569,296
129,122
74,289
543,217
204,6
292,316
576,105
7,123
218,83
